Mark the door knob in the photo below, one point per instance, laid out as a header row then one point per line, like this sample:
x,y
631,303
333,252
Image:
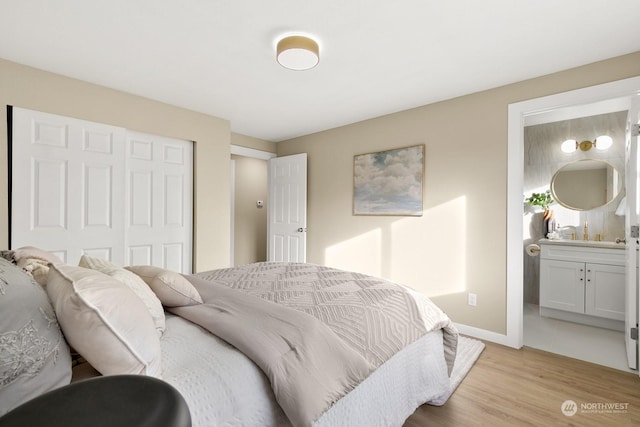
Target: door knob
x,y
619,240
301,230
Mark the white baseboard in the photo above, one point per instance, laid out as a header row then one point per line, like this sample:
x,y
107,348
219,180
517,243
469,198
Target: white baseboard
x,y
483,334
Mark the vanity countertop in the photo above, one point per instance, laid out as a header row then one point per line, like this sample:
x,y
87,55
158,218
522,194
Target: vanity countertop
x,y
582,243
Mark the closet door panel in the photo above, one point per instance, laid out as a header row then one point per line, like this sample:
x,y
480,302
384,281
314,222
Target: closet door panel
x,y
67,178
140,255
173,200
82,187
98,196
140,199
48,200
159,224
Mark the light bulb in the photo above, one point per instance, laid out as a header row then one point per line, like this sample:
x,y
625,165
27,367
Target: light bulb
x,y
569,146
603,142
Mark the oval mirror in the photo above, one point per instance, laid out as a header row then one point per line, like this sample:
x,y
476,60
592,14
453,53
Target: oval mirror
x,y
586,184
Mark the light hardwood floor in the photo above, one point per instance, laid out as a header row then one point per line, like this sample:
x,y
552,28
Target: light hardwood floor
x,y
527,387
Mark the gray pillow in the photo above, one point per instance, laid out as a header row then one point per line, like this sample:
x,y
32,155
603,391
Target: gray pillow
x,y
34,356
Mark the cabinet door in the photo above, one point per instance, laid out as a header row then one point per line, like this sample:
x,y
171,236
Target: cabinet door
x,y
605,291
562,285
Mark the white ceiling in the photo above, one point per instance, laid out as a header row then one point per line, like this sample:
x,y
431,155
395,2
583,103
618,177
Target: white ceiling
x,y
377,57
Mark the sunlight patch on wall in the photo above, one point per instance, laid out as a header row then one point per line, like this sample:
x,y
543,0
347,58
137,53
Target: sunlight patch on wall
x,y
361,253
432,259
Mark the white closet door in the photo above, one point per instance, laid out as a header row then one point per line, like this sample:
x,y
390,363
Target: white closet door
x,y
160,192
82,187
67,181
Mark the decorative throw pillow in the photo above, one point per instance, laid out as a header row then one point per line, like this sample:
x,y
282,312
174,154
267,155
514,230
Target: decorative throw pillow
x,y
104,321
34,357
29,252
133,282
36,262
170,287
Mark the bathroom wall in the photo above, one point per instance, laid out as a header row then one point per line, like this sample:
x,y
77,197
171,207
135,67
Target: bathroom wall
x,y
543,157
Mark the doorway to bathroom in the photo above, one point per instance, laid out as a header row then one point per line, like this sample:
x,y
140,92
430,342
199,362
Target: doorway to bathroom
x,y
598,110
566,310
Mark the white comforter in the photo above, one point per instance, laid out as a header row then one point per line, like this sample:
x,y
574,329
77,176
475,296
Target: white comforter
x,y
224,388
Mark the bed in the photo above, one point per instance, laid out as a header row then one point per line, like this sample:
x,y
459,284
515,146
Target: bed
x,y
320,346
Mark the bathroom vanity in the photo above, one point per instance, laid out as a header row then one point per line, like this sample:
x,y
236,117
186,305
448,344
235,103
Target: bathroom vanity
x,y
583,282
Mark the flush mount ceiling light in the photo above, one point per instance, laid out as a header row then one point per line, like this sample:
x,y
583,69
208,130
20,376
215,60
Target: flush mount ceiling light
x,y
602,142
297,53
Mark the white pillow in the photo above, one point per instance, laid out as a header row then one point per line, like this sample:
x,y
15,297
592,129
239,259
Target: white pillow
x,y
171,287
133,282
104,321
36,262
30,252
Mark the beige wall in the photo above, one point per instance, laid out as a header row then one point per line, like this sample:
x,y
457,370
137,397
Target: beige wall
x,y
250,221
459,244
34,89
251,142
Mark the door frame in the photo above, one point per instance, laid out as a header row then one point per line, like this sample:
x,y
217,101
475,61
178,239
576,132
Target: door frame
x,y
517,113
245,152
631,243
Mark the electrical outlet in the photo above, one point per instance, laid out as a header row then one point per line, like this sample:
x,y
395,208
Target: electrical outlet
x,y
472,299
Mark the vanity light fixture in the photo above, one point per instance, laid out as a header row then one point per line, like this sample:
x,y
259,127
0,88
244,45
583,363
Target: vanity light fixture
x,y
297,53
601,143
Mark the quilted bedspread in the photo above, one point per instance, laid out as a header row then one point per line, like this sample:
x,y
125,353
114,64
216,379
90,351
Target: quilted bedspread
x,y
376,317
368,318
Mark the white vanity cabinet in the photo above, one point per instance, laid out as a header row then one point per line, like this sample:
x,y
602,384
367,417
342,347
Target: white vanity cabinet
x,y
583,283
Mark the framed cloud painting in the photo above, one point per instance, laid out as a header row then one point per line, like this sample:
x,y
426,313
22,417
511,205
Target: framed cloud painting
x,y
389,182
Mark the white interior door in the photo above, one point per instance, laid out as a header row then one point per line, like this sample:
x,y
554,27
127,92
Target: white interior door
x,y
632,175
287,227
67,179
159,191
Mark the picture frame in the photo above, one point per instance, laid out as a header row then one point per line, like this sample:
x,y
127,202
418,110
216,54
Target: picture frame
x,y
389,182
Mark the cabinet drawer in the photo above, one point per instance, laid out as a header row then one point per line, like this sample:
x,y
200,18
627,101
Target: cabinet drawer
x,y
580,254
